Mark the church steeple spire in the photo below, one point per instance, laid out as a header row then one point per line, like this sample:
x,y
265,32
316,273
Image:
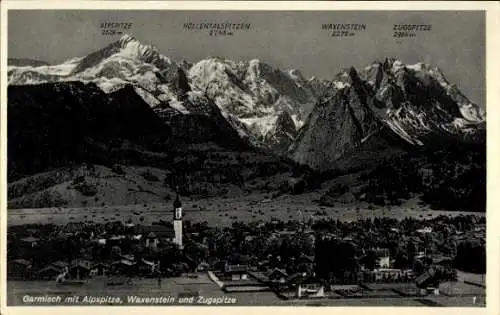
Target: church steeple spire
x,y
178,219
177,202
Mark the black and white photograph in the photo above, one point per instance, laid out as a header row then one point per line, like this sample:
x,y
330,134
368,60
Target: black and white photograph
x,y
245,158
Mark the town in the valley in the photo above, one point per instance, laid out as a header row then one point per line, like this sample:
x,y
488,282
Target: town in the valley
x,y
435,261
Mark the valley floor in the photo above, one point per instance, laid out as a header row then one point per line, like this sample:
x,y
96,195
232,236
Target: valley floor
x,y
225,211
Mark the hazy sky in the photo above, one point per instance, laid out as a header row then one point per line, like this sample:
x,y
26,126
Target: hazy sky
x,y
456,42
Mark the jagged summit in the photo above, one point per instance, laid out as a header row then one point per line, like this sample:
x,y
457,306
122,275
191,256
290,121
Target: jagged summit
x,y
148,53
252,95
389,62
125,49
126,38
385,105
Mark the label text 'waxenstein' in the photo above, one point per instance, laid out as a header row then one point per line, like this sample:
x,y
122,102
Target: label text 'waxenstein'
x,y
343,27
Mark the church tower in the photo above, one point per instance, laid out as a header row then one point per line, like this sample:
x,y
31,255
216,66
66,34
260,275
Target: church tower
x,y
178,221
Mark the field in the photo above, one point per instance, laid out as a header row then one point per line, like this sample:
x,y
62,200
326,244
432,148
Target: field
x,y
452,301
224,211
461,289
472,277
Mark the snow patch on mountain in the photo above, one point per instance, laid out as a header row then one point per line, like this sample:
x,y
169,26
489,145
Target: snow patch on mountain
x,y
411,121
147,97
298,123
133,49
340,85
472,112
255,94
176,104
62,69
260,125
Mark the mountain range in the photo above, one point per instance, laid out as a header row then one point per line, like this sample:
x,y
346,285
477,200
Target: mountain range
x,y
128,94
386,105
265,106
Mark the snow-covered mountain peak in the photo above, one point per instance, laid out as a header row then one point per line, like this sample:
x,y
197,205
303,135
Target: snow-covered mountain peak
x,y
126,50
127,38
207,71
297,76
255,68
134,49
397,65
382,105
393,74
255,63
252,95
389,62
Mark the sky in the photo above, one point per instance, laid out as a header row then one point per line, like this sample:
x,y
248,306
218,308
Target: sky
x,y
284,39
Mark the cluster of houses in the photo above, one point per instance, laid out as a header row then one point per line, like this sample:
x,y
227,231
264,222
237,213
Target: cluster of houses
x,y
258,273
21,269
308,285
147,236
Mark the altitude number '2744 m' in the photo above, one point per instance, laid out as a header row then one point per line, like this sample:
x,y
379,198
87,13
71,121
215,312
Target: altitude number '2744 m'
x,y
220,33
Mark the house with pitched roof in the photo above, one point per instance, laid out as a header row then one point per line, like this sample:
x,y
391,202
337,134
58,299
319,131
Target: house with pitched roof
x,y
80,268
236,272
428,282
306,285
18,268
49,272
29,241
277,276
152,235
61,265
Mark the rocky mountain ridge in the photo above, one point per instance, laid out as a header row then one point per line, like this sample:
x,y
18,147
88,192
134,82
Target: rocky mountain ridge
x,y
386,106
251,96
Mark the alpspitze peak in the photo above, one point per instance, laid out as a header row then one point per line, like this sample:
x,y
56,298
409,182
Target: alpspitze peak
x,y
128,41
126,38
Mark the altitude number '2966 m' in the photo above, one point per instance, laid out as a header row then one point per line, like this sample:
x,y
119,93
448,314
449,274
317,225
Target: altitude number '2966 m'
x,y
398,34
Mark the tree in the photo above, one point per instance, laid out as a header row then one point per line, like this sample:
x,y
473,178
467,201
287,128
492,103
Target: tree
x,y
370,260
402,261
116,251
471,257
334,258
